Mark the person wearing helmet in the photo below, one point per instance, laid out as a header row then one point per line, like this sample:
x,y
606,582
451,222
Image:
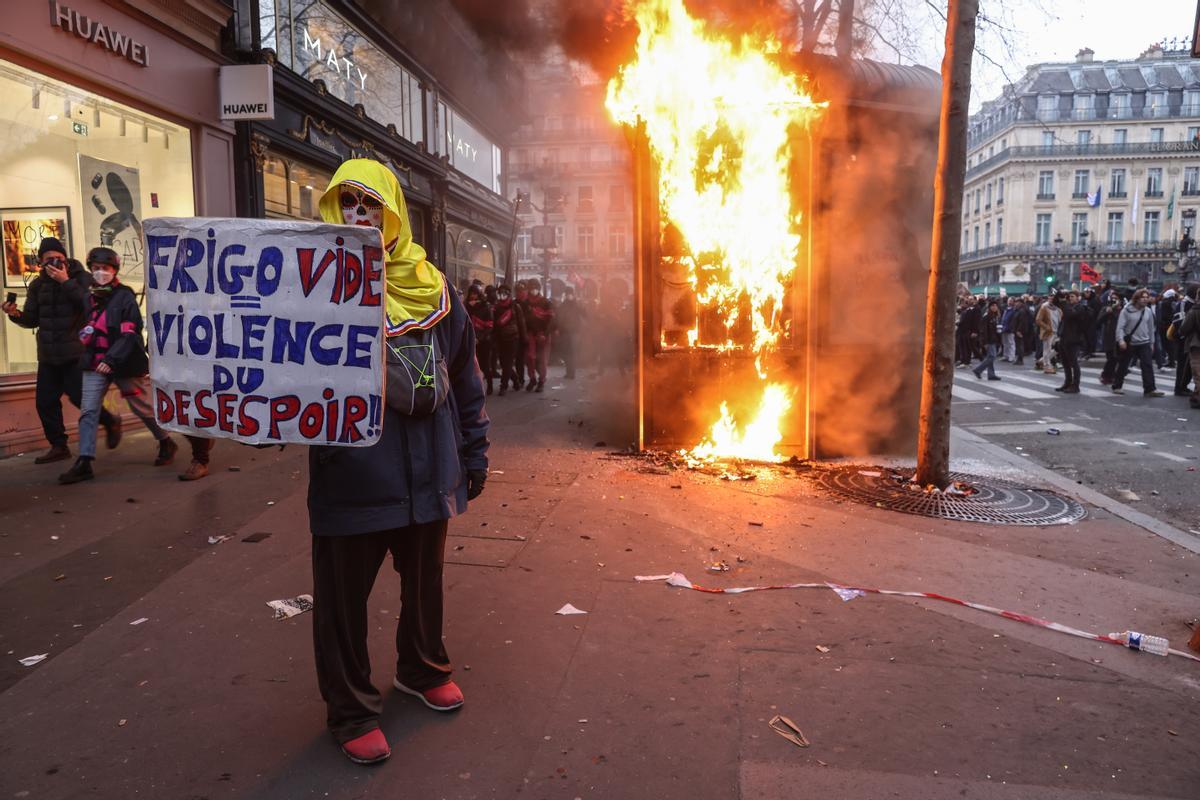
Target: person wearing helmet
x,y
396,496
113,352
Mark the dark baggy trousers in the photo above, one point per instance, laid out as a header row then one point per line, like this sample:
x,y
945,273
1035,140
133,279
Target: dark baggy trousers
x,y
344,570
506,350
1070,362
53,381
1141,352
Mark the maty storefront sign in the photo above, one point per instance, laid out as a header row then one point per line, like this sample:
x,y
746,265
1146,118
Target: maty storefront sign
x,y
266,331
98,33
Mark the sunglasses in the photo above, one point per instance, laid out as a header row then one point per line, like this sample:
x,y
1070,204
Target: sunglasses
x,y
350,200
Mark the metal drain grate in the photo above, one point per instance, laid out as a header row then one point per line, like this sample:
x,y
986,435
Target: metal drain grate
x,y
995,502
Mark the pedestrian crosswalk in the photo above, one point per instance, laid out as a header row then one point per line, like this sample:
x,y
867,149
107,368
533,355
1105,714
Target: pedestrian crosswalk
x,y
1024,384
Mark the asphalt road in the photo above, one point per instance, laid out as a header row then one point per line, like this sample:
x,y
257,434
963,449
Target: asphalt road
x,y
1138,450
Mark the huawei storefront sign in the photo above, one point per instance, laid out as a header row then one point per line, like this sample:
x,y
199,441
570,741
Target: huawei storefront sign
x,y
98,33
247,92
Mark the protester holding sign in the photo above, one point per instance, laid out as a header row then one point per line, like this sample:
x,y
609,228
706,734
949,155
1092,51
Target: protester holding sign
x,y
113,352
396,496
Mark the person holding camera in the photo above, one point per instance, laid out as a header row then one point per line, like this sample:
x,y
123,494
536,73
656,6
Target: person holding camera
x,y
53,307
113,352
1072,337
1135,335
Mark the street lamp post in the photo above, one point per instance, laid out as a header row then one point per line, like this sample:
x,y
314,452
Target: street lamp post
x,y
1053,276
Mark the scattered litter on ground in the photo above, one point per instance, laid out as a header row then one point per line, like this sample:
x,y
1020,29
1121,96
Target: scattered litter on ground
x,y
60,577
235,469
822,648
1154,492
1128,495
495,472
286,609
29,661
870,473
789,730
718,566
1141,444
845,592
1053,431
270,502
569,609
130,499
121,723
54,538
756,524
140,620
679,580
219,539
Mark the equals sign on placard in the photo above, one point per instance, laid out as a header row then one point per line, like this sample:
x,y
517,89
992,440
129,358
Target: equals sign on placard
x,y
245,301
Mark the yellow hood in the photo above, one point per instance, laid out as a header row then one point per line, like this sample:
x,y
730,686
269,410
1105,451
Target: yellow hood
x,y
417,296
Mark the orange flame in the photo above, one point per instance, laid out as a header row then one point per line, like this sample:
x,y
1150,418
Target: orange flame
x,y
718,116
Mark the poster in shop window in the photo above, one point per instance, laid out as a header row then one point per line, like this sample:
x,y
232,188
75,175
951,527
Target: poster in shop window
x,y
266,331
112,212
22,230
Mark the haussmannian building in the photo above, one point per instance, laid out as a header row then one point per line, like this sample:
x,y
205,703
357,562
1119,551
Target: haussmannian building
x,y
575,165
1088,161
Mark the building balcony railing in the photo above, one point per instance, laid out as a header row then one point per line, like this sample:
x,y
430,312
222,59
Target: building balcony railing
x,y
1117,195
1045,195
1154,193
980,133
1060,151
1047,252
1191,191
1079,195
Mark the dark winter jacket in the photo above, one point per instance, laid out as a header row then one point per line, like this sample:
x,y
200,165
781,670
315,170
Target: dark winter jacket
x,y
115,337
539,316
969,320
481,320
416,473
1073,327
1189,331
570,317
989,330
508,320
1108,330
56,310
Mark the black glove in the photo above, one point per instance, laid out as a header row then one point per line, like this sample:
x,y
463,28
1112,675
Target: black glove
x,y
475,480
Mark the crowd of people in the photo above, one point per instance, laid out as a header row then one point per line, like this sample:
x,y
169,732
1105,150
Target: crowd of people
x,y
1127,325
519,334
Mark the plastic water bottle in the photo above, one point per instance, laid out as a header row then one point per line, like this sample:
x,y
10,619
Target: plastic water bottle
x,y
1142,641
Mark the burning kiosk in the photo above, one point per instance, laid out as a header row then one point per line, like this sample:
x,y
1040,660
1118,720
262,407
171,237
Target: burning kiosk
x,y
782,224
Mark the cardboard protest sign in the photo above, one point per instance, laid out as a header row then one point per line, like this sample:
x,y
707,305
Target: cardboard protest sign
x,y
266,331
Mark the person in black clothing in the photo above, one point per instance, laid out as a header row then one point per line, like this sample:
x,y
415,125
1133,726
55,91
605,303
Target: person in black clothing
x,y
570,321
1023,329
1092,300
989,335
1072,335
54,306
481,318
1107,323
968,325
113,352
508,330
1165,313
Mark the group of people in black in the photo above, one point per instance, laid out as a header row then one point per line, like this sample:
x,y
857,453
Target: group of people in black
x,y
1128,325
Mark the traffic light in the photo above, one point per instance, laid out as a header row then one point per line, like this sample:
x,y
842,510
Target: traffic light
x,y
1050,277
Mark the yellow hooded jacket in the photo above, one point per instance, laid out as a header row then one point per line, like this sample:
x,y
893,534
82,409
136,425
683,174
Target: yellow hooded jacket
x,y
417,295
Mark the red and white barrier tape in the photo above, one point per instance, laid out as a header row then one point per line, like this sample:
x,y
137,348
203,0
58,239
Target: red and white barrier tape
x,y
850,592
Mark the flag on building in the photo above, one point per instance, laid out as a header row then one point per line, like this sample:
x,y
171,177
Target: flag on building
x,y
1094,198
1133,220
1087,274
1171,204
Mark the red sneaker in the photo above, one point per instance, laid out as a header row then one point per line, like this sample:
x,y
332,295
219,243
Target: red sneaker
x,y
370,748
446,697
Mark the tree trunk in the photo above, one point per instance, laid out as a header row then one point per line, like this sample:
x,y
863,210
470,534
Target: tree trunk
x,y
845,30
933,445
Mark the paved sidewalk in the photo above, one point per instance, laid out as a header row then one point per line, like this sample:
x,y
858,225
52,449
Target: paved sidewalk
x,y
655,693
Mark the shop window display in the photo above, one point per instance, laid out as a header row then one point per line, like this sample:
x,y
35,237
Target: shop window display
x,y
85,169
292,189
473,256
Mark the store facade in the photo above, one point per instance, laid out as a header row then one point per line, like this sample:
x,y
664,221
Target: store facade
x,y
340,93
109,116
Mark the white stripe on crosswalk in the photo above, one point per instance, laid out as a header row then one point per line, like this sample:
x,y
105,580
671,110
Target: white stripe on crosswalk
x,y
1020,391
1032,378
1169,456
1025,427
971,396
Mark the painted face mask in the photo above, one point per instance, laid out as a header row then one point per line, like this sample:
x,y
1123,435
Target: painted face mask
x,y
360,208
103,277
